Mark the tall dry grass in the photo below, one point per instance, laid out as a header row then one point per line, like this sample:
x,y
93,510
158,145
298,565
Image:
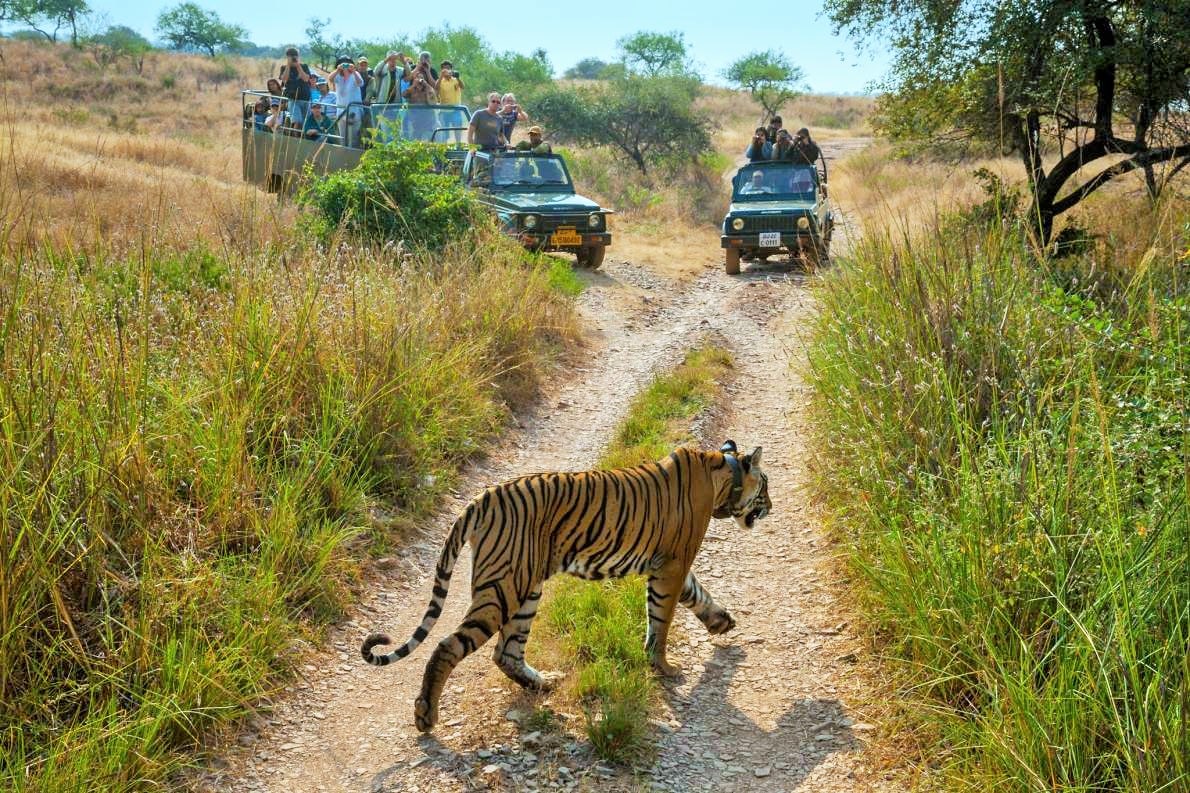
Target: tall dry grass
x,y
1004,446
207,417
91,156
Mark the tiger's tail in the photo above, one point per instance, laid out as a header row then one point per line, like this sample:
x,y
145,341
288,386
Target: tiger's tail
x,y
459,534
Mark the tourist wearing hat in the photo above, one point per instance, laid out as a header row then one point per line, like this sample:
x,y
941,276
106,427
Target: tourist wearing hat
x,y
361,66
535,144
276,119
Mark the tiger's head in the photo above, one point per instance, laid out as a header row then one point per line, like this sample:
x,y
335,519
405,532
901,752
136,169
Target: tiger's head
x,y
748,496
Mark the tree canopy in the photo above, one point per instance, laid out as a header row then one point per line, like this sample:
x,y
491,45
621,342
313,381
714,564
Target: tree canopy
x,y
586,69
655,54
769,76
119,41
188,26
1093,78
647,119
46,17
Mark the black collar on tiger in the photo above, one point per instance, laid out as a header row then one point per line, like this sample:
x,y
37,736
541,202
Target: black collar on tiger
x,y
732,506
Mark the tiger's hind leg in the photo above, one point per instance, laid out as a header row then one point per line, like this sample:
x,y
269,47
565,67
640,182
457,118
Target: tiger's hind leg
x,y
716,618
491,608
510,651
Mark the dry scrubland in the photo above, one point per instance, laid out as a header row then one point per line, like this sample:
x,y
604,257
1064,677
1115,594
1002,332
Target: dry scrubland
x,y
208,416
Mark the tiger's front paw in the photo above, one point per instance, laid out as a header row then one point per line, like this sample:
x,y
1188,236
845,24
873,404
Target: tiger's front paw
x,y
666,669
720,622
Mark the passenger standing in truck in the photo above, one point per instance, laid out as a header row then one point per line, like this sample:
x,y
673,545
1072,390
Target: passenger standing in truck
x,y
295,84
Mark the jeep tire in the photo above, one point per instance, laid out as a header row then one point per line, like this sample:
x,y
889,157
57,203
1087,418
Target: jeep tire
x,y
591,257
733,261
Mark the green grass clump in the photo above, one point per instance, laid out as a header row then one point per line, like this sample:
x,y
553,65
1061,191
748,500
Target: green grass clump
x,y
189,446
601,625
1005,445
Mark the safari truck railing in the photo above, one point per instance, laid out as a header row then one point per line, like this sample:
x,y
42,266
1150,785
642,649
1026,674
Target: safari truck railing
x,y
276,160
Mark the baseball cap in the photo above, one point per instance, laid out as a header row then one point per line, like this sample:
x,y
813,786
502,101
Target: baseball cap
x,y
534,130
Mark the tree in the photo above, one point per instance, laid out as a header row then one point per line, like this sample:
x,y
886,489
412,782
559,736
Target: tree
x,y
647,119
655,54
119,42
1097,79
48,17
187,26
586,69
322,49
769,77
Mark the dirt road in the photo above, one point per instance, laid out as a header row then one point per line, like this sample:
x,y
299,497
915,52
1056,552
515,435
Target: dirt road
x,y
780,704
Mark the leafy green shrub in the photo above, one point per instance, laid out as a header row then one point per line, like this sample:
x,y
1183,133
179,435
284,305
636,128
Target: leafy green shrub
x,y
397,192
1005,454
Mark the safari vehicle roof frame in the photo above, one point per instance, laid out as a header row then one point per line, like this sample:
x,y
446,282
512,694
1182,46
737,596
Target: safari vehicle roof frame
x,y
511,154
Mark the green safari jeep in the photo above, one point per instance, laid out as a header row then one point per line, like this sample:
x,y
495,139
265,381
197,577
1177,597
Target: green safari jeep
x,y
534,199
777,207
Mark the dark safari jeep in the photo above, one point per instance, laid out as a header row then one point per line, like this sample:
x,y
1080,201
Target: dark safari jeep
x,y
533,198
777,207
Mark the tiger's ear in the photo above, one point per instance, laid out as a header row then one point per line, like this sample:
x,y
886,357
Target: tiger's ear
x,y
728,447
754,457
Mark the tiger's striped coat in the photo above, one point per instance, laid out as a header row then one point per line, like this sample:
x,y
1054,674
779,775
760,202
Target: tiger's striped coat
x,y
649,519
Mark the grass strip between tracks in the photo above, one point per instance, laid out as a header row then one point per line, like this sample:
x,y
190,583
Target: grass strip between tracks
x,y
598,628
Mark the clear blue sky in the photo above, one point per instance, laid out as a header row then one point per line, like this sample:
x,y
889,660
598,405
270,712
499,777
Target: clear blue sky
x,y
716,32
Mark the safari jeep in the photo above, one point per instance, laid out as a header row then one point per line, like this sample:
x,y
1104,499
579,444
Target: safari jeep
x,y
777,207
534,199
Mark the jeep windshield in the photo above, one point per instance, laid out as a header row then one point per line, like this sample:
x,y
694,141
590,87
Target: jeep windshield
x,y
775,181
432,123
530,172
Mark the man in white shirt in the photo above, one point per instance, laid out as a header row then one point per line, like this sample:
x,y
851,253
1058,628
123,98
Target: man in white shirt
x,y
348,88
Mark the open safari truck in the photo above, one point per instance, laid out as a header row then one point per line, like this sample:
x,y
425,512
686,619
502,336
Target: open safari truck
x,y
276,160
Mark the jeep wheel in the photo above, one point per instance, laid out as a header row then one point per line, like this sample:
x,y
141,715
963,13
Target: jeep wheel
x,y
733,261
591,257
816,254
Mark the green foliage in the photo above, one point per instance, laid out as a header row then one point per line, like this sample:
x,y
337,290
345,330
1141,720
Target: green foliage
x,y
188,26
323,49
47,17
482,68
116,43
602,625
1015,75
646,119
397,192
769,76
656,54
586,69
1005,443
190,445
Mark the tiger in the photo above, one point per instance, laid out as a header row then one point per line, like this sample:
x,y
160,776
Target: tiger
x,y
649,519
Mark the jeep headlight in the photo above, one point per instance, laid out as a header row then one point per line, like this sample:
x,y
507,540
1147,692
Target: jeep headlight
x,y
530,221
594,219
738,224
803,223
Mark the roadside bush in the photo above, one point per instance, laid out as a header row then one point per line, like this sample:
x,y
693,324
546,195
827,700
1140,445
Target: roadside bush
x,y
398,192
1004,449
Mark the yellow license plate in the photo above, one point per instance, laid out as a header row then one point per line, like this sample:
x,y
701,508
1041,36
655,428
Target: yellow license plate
x,y
566,236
